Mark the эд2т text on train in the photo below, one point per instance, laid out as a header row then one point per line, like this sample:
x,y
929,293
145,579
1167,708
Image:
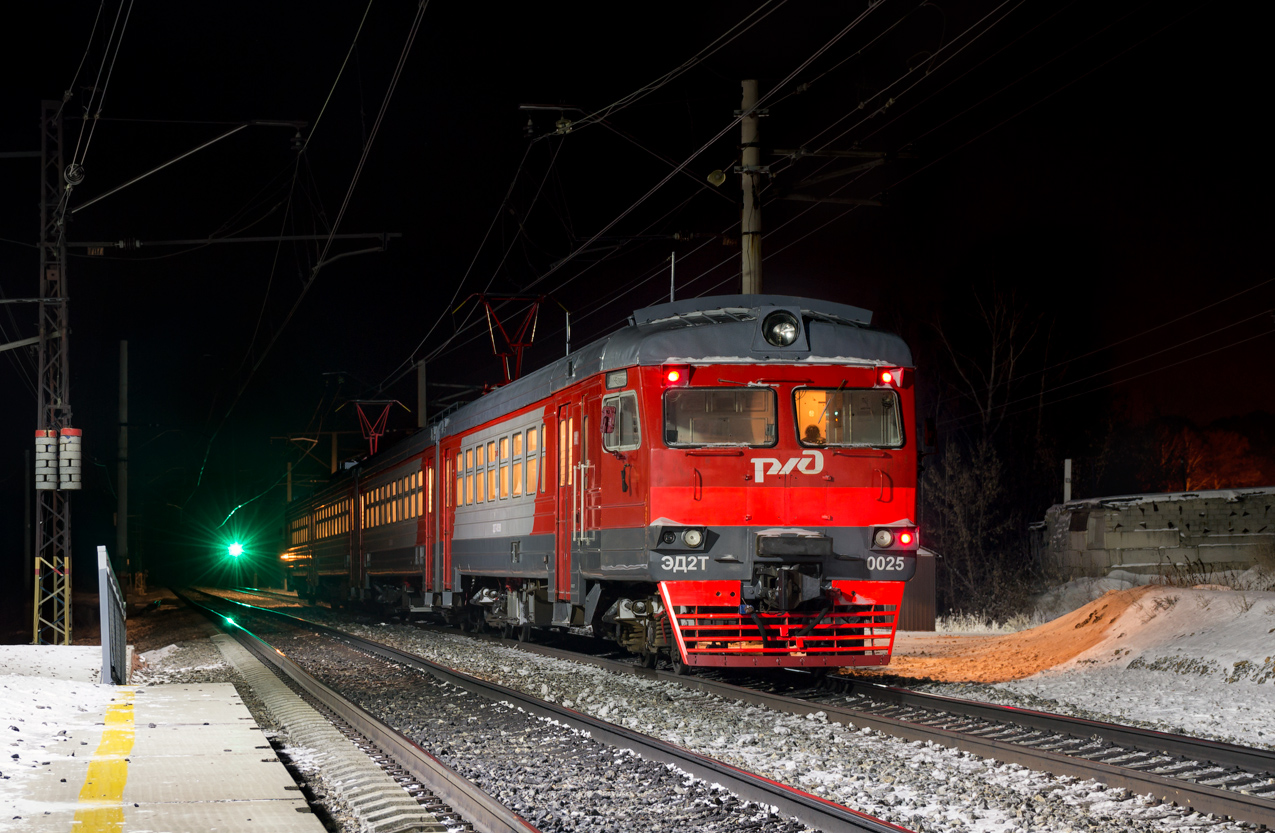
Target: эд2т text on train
x,y
725,481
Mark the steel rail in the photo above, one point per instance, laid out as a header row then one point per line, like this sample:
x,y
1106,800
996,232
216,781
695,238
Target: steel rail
x,y
819,813
1212,800
1198,797
485,813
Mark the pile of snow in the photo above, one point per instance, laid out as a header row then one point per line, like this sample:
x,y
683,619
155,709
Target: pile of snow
x,y
1198,661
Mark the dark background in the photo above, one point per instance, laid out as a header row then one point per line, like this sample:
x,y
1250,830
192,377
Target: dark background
x,y
1094,167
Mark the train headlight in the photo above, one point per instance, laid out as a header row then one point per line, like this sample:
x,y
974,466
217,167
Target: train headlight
x,y
882,539
781,328
668,537
692,538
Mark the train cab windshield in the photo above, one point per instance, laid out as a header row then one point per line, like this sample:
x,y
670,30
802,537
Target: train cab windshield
x,y
848,418
720,416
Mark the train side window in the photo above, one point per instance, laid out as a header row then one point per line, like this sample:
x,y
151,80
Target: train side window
x,y
491,483
469,460
628,432
504,467
479,483
533,460
571,450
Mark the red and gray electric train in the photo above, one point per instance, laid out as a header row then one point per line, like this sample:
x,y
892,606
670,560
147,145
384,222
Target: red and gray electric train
x,y
726,481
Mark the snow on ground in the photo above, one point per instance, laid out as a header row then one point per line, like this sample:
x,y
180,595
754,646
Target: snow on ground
x,y
44,721
1195,661
1198,661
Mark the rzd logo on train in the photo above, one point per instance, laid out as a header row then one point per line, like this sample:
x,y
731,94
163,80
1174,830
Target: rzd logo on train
x,y
810,462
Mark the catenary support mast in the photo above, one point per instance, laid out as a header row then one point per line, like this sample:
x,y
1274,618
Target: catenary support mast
x,y
52,614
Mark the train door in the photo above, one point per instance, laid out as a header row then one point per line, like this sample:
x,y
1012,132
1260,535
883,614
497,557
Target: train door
x,y
426,518
567,504
590,483
451,497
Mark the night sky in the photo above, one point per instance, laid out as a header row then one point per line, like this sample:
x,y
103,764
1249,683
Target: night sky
x,y
1099,164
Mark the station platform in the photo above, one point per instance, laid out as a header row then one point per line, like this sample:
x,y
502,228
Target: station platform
x,y
180,758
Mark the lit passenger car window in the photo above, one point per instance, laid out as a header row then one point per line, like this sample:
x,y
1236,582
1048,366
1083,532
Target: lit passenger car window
x,y
847,418
719,416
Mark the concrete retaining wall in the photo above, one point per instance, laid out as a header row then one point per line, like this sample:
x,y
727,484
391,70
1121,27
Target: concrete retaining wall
x,y
1222,530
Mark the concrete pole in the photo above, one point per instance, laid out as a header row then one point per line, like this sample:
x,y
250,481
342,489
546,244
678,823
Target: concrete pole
x,y
672,272
121,488
1067,480
420,394
750,231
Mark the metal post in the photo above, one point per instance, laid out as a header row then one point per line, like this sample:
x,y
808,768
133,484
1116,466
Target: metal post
x,y
51,617
289,498
333,471
750,231
672,270
1067,480
26,522
420,394
121,522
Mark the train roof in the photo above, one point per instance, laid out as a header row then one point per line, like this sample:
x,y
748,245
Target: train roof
x,y
722,329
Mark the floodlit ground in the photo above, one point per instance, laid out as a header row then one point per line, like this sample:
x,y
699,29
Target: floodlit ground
x,y
1199,660
1196,660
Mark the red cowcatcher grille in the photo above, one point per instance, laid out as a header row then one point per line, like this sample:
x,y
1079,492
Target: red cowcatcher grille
x,y
858,629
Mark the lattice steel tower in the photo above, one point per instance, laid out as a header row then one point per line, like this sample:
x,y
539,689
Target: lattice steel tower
x,y
52,566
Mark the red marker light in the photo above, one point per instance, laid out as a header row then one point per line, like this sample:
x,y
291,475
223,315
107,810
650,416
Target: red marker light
x,y
905,538
886,377
673,375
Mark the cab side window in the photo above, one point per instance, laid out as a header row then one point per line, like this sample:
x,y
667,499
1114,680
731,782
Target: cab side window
x,y
627,432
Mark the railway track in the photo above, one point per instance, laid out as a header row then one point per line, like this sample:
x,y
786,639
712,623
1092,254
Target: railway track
x,y
1206,776
436,787
808,809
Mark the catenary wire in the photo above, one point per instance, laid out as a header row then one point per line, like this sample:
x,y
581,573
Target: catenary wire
x,y
389,93
707,52
970,418
473,260
695,155
101,100
339,72
680,167
88,47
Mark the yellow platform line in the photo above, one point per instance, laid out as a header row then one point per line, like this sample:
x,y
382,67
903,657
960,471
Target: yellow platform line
x,y
102,796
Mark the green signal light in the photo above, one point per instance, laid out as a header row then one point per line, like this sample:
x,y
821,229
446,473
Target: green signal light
x,y
235,549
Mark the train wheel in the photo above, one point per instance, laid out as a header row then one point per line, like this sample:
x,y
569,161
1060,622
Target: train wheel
x,y
507,630
524,633
650,659
680,668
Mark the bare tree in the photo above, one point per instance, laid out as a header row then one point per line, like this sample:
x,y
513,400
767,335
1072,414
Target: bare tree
x,y
987,371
